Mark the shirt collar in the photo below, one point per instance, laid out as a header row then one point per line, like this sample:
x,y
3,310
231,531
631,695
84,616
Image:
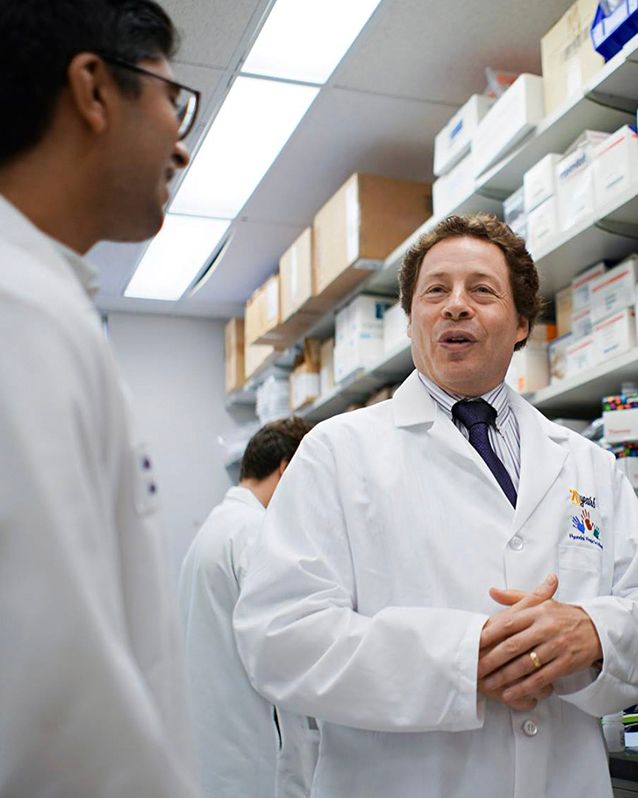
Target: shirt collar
x,y
498,397
16,227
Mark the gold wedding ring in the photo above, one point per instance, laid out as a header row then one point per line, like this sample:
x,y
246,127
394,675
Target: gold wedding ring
x,y
535,659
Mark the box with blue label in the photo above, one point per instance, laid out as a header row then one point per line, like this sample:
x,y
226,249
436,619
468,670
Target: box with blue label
x,y
359,334
581,285
611,30
455,140
615,164
615,335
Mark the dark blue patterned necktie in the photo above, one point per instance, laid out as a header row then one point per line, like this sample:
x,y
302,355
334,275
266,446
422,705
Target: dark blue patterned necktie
x,y
477,415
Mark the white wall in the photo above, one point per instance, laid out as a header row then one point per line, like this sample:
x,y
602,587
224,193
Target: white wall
x,y
174,368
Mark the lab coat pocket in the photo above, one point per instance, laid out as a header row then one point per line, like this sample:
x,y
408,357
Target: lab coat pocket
x,y
579,572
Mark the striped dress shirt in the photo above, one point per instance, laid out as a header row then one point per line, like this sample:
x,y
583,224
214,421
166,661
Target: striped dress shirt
x,y
504,436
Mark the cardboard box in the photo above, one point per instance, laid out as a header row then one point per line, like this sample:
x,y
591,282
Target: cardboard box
x,y
629,467
255,355
575,188
614,290
455,140
542,226
514,206
395,324
581,355
563,302
515,114
262,310
295,275
557,357
234,355
529,369
615,165
568,57
615,335
620,426
539,182
304,381
327,367
451,189
358,228
582,324
581,297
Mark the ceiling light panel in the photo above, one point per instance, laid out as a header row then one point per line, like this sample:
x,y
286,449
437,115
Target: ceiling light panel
x,y
175,256
306,39
252,126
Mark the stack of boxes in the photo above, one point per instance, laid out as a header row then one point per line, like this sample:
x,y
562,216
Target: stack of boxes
x,y
359,335
580,352
540,203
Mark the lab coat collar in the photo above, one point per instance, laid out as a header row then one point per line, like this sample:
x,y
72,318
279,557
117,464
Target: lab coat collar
x,y
19,230
412,404
245,496
542,456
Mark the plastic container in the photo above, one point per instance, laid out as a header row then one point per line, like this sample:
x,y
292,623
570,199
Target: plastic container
x,y
614,732
611,32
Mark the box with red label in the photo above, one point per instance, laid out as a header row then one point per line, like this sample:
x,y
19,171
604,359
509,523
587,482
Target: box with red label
x,y
614,290
615,165
620,425
581,355
582,323
616,334
581,284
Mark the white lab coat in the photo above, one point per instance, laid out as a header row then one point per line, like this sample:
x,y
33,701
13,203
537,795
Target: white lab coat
x,y
369,589
92,688
240,751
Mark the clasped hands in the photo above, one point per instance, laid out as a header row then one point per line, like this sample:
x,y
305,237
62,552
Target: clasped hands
x,y
535,641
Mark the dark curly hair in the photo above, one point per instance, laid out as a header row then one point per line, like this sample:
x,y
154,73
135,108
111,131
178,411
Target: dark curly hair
x,y
523,274
271,444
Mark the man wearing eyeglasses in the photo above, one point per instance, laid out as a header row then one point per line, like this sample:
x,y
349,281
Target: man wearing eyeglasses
x,y
92,695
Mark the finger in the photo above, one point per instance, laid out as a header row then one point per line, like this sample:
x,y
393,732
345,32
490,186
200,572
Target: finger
x,y
519,668
536,683
519,641
542,592
503,627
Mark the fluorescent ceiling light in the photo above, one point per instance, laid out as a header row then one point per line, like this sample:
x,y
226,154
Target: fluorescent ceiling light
x,y
306,39
252,126
175,256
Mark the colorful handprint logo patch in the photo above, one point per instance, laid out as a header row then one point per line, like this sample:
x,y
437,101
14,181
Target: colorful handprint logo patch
x,y
586,529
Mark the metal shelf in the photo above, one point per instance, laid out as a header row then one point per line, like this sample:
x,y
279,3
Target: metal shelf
x,y
582,393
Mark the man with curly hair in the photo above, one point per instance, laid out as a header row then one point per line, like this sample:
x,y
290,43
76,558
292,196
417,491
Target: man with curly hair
x,y
420,586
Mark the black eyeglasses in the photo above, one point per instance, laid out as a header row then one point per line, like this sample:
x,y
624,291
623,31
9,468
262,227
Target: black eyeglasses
x,y
186,100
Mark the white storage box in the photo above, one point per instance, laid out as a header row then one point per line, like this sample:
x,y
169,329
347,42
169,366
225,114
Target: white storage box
x,y
615,164
304,387
581,355
514,207
575,188
582,324
557,355
450,190
359,334
529,369
615,335
395,324
581,283
515,114
542,225
614,290
621,426
629,467
539,182
455,140
360,353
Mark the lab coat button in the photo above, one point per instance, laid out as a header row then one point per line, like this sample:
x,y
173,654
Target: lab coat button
x,y
530,728
517,543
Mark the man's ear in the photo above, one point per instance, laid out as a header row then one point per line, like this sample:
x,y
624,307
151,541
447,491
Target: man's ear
x,y
91,89
283,466
409,329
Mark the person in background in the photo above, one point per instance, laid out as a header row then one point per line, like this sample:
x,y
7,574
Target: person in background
x,y
404,589
92,683
246,748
